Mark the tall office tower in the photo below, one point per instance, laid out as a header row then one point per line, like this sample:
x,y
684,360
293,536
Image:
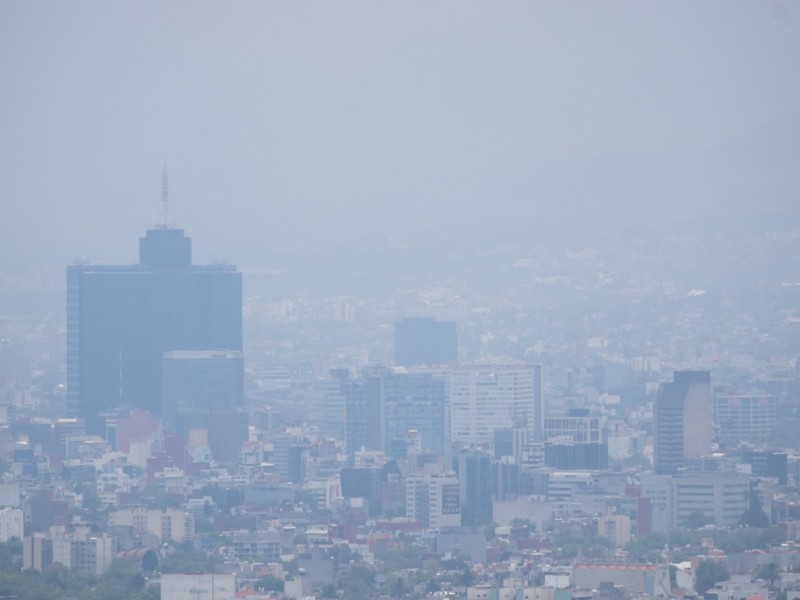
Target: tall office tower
x,y
121,320
411,402
204,389
388,404
486,398
682,420
425,341
329,404
539,406
474,472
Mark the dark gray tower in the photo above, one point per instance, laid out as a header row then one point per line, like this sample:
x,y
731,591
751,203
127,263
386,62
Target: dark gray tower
x,y
122,319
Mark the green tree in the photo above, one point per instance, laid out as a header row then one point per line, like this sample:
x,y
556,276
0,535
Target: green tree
x,y
697,520
357,582
398,587
121,581
270,584
11,555
647,548
748,538
569,544
70,582
224,498
403,558
709,573
467,577
769,572
755,516
187,560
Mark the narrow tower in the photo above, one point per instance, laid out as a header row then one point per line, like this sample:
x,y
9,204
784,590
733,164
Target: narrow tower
x,y
164,198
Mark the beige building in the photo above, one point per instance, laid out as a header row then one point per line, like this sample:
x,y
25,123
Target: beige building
x,y
37,552
615,528
83,552
169,524
434,500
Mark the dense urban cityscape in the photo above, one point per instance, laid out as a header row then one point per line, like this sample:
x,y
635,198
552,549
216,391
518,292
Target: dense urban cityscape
x,y
399,300
466,436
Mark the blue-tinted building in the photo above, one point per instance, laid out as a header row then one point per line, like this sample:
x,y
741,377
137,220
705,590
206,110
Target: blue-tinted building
x,y
386,404
474,471
122,319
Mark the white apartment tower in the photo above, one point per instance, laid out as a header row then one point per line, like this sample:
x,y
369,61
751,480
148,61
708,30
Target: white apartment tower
x,y
484,398
433,500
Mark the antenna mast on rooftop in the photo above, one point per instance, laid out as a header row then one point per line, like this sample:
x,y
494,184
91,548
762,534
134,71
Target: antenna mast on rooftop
x,y
165,198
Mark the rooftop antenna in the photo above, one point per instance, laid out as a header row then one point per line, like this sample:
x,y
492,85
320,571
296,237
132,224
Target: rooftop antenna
x,y
165,197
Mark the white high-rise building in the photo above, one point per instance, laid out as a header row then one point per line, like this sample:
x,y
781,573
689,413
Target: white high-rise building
x,y
484,398
83,552
433,500
11,524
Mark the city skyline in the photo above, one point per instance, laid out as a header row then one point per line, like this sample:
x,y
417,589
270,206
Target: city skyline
x,y
482,301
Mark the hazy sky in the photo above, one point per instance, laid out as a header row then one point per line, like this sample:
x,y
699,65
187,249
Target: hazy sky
x,y
292,120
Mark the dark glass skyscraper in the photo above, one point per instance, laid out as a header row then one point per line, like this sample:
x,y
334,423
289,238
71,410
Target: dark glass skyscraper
x,y
122,319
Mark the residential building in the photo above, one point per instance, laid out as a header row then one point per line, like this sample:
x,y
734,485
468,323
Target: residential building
x,y
745,418
257,546
12,521
616,528
37,552
433,500
168,524
83,552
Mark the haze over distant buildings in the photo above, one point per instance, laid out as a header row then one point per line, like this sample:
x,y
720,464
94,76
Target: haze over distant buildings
x,y
286,124
516,310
